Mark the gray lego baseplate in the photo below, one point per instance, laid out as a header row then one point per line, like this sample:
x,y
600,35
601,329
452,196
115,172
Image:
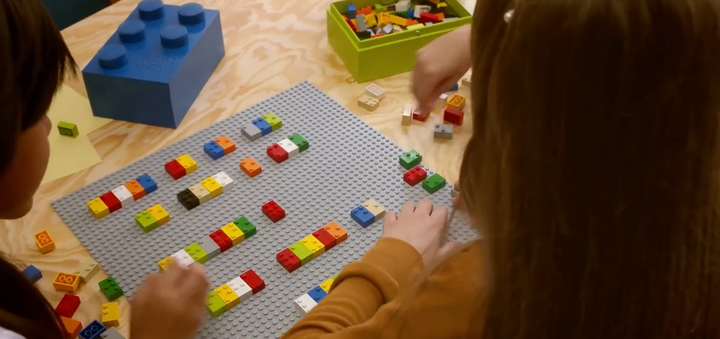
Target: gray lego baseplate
x,y
348,162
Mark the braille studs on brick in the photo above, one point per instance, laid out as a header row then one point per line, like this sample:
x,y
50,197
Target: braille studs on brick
x,y
262,126
205,190
368,213
287,148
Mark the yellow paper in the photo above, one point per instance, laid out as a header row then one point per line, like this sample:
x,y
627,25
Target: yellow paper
x,y
70,155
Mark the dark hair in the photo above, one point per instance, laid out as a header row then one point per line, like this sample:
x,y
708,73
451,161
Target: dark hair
x,y
33,62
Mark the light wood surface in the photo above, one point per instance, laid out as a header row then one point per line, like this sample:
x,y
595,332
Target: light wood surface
x,y
270,45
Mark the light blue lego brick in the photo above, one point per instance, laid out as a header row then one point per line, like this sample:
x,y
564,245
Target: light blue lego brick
x,y
264,127
362,216
213,150
154,66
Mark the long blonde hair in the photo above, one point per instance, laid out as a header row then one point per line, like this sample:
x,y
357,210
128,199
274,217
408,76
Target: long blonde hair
x,y
593,168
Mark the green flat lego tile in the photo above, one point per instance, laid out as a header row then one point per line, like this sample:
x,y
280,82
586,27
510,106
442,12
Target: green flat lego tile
x,y
197,253
410,159
146,221
110,288
433,183
302,252
245,226
299,141
215,305
272,120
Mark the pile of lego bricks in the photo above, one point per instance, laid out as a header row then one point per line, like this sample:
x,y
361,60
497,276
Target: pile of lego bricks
x,y
369,22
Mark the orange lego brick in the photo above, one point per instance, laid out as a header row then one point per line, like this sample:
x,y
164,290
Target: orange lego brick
x,y
411,22
337,231
365,10
135,189
44,242
66,282
456,101
227,145
72,326
250,167
441,16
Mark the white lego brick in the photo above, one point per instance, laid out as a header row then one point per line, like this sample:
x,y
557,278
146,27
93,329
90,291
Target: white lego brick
x,y
182,258
224,180
407,114
443,97
420,9
369,103
304,303
241,288
86,270
375,91
361,24
397,29
467,78
388,29
402,6
124,195
289,147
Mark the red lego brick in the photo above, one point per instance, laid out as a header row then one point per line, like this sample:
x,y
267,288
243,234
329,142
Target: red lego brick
x,y
288,259
419,116
415,176
222,240
273,211
68,305
111,201
325,238
277,153
429,17
253,280
352,26
453,116
175,169
377,35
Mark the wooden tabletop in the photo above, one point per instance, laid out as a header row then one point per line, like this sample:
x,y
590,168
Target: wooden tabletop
x,y
270,45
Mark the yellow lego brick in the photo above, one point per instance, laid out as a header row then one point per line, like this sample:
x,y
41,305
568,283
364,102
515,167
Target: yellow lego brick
x,y
188,163
44,241
66,282
110,314
441,5
396,20
370,20
384,19
160,214
234,232
228,296
326,285
86,270
314,245
456,101
98,208
213,186
163,264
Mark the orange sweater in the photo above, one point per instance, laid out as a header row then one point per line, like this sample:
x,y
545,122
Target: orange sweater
x,y
383,296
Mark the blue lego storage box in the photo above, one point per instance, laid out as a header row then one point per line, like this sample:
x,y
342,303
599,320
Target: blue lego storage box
x,y
154,66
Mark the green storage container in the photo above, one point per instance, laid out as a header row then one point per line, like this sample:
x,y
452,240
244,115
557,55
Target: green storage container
x,y
388,55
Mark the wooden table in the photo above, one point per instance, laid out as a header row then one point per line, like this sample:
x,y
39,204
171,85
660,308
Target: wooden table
x,y
270,45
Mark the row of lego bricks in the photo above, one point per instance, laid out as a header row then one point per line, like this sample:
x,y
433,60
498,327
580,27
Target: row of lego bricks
x,y
219,148
261,126
152,218
309,300
288,148
181,166
394,18
233,293
205,190
213,244
122,196
368,213
311,247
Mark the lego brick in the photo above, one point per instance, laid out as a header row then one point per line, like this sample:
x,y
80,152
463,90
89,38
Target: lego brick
x,y
111,333
210,247
454,88
164,263
227,145
466,80
44,241
443,132
443,98
234,233
352,25
228,296
402,5
337,231
428,18
222,240
327,284
396,20
263,126
224,180
245,226
317,294
213,150
277,153
135,189
215,305
304,304
453,116
110,315
288,260
72,327
86,270
175,169
407,114
67,129
159,214
148,184
250,167
289,147
414,176
364,34
111,201
272,120
327,239
151,71
362,216
300,142
374,207
32,273
241,288
201,193
420,116
253,280
351,11
92,330
361,25
111,289
433,183
98,208
420,9
456,101
302,252
123,195
410,159
196,253
188,199
375,91
66,282
188,163
369,103
146,221
252,132
370,20
212,186
182,258
68,305
314,245
273,211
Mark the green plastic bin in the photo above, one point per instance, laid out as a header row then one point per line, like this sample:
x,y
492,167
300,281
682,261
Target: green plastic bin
x,y
388,55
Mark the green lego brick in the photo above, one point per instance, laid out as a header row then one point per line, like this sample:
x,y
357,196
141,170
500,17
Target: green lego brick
x,y
68,129
410,159
146,221
110,288
302,252
215,305
379,8
433,183
197,253
245,226
272,120
299,141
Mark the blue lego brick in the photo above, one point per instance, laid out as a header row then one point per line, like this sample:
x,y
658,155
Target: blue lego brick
x,y
317,294
214,150
92,331
351,12
154,66
32,273
263,125
147,183
411,13
362,216
454,88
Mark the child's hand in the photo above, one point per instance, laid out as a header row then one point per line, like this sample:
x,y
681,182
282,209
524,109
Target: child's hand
x,y
439,65
423,227
170,304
